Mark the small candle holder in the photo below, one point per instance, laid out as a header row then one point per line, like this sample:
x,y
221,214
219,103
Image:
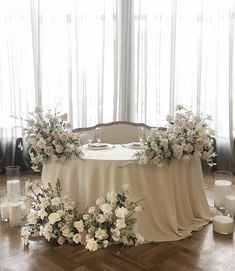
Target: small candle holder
x,y
223,224
4,206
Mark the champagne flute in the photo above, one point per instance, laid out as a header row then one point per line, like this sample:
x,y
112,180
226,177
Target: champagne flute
x,y
90,137
141,135
98,135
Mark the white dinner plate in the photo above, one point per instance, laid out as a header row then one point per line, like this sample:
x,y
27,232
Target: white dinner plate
x,y
134,145
100,146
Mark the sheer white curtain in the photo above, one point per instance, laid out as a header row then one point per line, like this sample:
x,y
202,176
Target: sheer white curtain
x,y
119,60
184,54
17,94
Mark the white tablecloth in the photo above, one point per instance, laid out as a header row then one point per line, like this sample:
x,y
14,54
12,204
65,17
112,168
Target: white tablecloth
x,y
174,202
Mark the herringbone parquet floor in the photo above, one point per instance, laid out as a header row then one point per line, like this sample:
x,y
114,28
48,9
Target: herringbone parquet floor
x,y
204,250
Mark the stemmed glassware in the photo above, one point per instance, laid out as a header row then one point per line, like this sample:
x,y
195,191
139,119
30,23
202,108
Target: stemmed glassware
x,y
98,135
141,135
90,137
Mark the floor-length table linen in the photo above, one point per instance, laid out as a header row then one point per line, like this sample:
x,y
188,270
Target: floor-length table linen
x,y
174,199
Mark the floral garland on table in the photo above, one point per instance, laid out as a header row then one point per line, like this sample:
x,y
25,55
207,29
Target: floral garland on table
x,y
50,138
55,217
187,136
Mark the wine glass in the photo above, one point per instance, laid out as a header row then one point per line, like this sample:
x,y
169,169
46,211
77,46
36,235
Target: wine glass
x,y
141,135
98,135
90,137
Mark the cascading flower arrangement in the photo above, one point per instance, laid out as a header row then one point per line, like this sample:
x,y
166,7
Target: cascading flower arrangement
x,y
188,136
50,138
57,219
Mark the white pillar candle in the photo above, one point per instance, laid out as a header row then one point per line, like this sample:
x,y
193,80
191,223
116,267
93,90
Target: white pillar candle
x,y
15,214
221,189
13,188
230,203
223,224
4,212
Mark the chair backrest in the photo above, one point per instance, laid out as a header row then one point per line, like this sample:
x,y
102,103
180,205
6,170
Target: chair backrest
x,y
117,132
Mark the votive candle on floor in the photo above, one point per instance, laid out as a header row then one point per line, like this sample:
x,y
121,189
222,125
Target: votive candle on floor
x,y
13,188
223,224
15,214
221,189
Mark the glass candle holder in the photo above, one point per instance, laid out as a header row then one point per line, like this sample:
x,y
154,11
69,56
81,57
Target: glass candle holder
x,y
230,202
14,206
4,213
222,186
12,173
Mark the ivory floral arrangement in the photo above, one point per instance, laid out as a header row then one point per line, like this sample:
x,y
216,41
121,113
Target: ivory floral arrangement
x,y
49,137
186,137
56,218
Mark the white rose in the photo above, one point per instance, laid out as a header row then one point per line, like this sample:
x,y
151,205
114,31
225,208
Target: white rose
x,y
91,210
79,225
120,223
53,218
77,238
70,147
32,218
64,137
64,117
154,146
111,196
47,231
65,231
105,243
56,201
206,156
56,133
178,151
101,218
42,213
121,212
126,188
101,234
85,217
92,244
116,232
106,208
61,212
41,143
59,148
140,239
188,147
